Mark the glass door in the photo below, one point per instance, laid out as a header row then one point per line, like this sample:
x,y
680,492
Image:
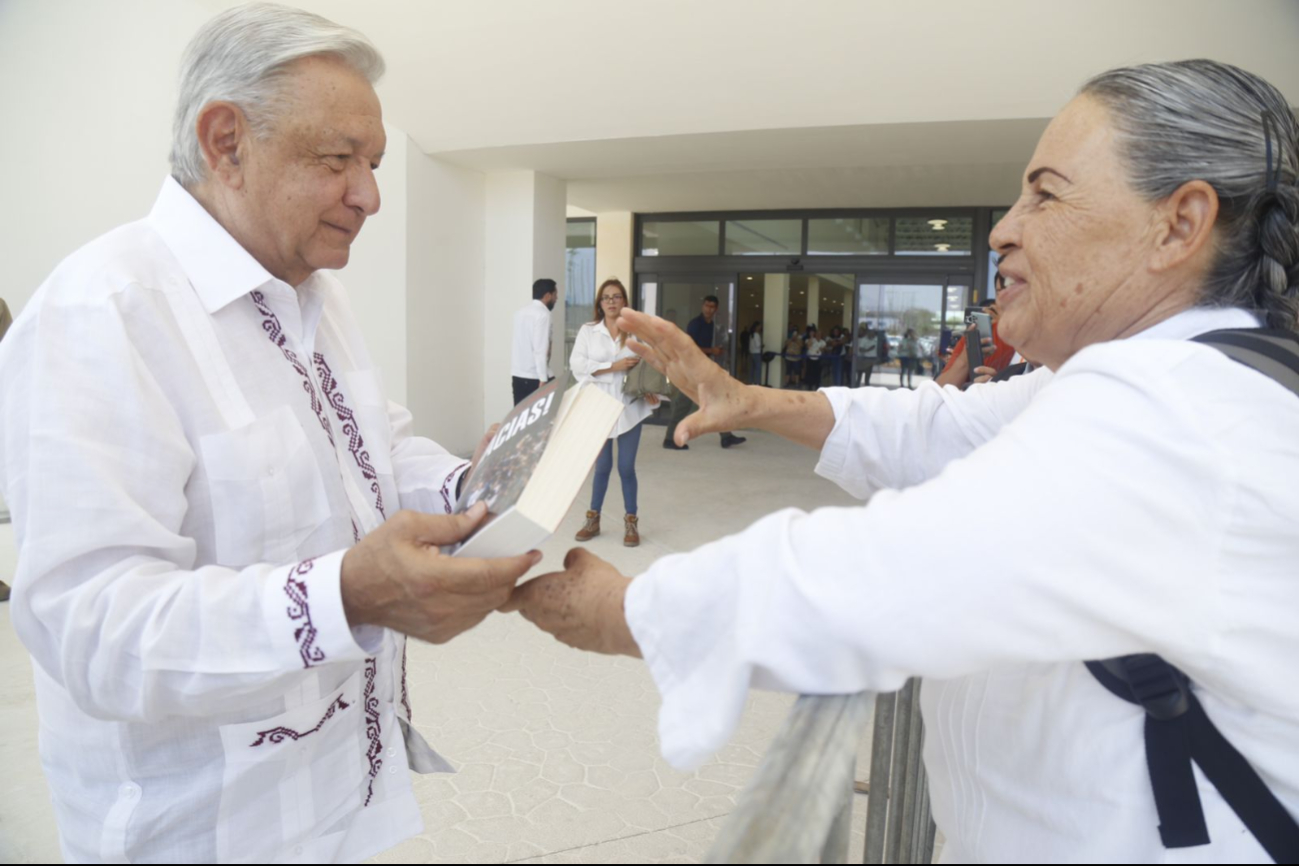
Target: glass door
x,y
681,301
905,326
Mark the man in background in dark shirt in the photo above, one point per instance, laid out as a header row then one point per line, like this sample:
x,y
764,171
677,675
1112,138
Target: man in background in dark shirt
x,y
701,330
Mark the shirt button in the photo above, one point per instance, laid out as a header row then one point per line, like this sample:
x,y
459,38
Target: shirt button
x,y
297,850
392,770
128,791
391,752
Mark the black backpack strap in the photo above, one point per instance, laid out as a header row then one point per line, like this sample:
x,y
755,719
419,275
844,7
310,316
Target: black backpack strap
x,y
1179,732
1164,693
1270,351
1247,795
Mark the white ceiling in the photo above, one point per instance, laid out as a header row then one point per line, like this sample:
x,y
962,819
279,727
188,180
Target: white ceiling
x,y
684,104
953,163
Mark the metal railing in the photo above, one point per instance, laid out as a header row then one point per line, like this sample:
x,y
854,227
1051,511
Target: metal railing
x,y
798,806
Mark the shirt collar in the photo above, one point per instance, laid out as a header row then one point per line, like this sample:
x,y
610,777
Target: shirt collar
x,y
219,269
1196,321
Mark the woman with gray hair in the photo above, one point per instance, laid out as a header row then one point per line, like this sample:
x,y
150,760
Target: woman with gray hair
x,y
1150,465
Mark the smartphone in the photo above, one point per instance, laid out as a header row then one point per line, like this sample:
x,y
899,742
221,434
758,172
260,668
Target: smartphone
x,y
973,351
984,322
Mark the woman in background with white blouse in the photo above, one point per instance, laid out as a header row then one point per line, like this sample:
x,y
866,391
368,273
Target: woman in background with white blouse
x,y
601,355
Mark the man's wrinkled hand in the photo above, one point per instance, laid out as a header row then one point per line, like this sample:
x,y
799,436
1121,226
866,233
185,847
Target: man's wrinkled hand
x,y
724,402
397,577
581,606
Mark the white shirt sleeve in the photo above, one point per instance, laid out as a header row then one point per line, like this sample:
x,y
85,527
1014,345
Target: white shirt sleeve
x,y
774,608
427,475
116,611
541,345
898,438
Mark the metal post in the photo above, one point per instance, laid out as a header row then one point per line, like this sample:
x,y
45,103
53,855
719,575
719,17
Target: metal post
x,y
877,804
836,843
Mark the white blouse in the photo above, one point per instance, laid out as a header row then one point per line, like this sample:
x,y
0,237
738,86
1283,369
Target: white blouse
x,y
1142,498
596,349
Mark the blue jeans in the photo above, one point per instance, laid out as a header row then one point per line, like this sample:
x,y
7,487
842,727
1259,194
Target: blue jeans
x,y
755,376
628,443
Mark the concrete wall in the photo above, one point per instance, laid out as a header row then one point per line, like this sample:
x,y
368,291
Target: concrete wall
x,y
445,301
88,92
525,241
615,247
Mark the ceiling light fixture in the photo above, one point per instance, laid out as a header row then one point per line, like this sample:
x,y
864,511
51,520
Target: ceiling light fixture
x,y
942,248
938,225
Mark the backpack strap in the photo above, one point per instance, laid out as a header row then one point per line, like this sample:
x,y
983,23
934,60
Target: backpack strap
x,y
1177,730
1270,351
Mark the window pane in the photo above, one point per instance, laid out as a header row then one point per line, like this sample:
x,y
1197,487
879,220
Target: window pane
x,y
848,236
661,238
764,237
934,236
886,315
579,291
581,233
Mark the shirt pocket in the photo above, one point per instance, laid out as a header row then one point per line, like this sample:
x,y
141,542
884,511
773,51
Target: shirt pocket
x,y
370,406
267,491
292,776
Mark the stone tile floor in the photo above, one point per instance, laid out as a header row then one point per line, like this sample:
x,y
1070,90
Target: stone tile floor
x,y
556,750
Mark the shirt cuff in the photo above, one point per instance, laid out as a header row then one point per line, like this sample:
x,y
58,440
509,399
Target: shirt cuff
x,y
451,487
303,606
701,702
835,451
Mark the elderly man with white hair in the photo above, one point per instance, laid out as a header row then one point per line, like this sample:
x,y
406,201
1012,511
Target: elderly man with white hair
x,y
214,577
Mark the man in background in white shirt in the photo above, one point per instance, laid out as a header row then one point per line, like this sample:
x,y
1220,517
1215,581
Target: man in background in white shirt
x,y
530,360
214,577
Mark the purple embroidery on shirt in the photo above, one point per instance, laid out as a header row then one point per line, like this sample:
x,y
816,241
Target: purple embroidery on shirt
x,y
271,325
351,428
277,735
372,726
446,491
405,701
305,634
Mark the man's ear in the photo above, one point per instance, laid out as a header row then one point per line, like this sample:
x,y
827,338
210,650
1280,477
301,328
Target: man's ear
x,y
223,136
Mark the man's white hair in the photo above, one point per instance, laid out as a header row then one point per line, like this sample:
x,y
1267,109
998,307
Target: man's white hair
x,y
241,56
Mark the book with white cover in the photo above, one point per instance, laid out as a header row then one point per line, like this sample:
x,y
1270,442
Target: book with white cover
x,y
534,467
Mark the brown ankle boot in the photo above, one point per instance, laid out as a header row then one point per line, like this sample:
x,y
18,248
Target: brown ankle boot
x,y
632,538
592,528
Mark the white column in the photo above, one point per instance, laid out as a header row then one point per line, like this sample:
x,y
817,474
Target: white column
x,y
814,303
614,247
525,241
775,320
445,300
